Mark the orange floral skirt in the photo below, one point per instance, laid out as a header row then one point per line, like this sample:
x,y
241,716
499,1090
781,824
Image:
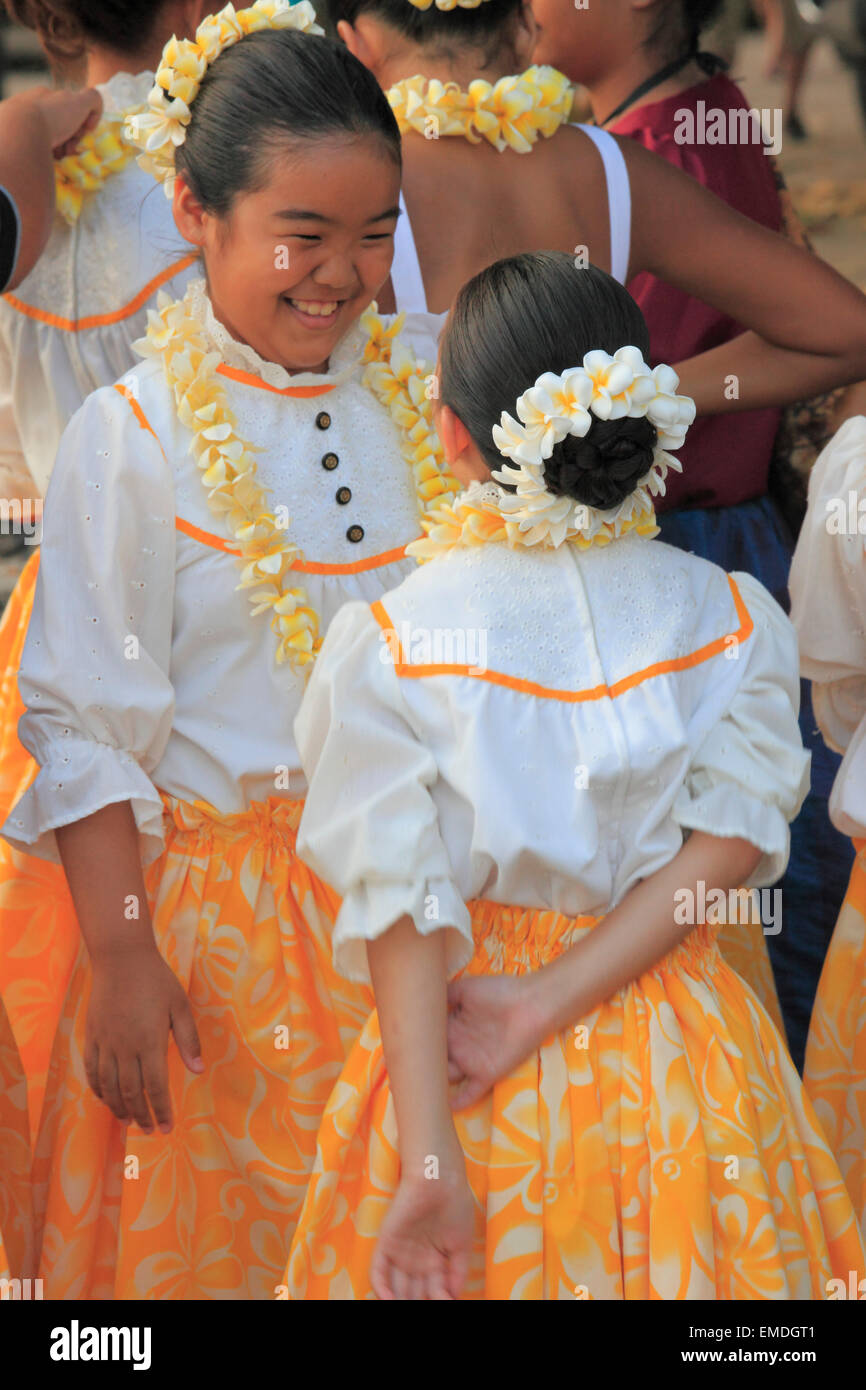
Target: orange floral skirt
x,y
835,1071
664,1149
16,1220
39,934
207,1211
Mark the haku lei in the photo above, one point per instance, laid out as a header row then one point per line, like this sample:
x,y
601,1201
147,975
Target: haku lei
x,y
511,114
228,469
161,128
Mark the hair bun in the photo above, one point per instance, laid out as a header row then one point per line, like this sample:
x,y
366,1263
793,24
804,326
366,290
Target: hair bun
x,y
602,468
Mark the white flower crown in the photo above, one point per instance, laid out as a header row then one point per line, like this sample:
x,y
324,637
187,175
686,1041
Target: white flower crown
x,y
608,388
160,129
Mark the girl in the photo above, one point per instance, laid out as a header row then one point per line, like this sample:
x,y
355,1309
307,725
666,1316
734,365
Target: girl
x,y
482,189
67,330
647,79
828,589
651,1139
269,427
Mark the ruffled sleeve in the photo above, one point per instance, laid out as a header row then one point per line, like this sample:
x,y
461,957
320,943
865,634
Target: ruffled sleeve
x,y
828,608
95,673
749,773
370,826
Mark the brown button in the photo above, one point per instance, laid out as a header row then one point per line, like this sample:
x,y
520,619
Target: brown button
x,y
330,462
355,533
323,420
344,495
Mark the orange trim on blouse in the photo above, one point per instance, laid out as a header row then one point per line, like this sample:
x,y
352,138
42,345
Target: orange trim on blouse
x,y
302,392
597,692
103,320
139,414
387,557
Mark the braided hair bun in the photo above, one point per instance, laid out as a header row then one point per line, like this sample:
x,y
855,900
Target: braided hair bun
x,y
603,467
538,313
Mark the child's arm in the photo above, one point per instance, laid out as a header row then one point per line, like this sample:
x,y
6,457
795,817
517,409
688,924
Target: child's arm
x,y
498,1021
808,324
422,1252
136,1000
35,127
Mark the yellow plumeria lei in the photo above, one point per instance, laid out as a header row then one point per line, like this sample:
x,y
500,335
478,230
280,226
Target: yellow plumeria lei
x,y
101,153
228,469
477,517
161,127
511,114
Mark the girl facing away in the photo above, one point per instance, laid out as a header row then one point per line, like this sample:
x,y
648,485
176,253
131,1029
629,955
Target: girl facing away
x,y
67,330
492,167
276,460
635,1127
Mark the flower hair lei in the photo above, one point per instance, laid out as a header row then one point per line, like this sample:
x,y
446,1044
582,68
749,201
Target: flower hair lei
x,y
555,406
161,128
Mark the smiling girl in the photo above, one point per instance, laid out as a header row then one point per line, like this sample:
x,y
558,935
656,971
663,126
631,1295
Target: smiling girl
x,y
276,461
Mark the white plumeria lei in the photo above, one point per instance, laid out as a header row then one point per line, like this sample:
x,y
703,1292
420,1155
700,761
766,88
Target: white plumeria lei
x,y
609,388
161,127
446,4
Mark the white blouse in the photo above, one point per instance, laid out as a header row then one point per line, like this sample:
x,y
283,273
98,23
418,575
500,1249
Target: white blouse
x,y
552,724
828,607
69,327
144,669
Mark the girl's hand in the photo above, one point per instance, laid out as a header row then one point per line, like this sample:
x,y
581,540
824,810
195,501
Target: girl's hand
x,y
68,115
493,1026
423,1249
136,1001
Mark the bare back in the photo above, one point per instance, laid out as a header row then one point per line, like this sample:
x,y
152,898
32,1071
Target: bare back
x,y
469,205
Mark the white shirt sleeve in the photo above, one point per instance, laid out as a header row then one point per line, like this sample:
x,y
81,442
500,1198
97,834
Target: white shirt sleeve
x,y
370,826
95,672
828,585
749,774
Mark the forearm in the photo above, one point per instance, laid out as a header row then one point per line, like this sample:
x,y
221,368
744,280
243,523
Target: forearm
x,y
27,172
101,859
635,936
749,373
409,981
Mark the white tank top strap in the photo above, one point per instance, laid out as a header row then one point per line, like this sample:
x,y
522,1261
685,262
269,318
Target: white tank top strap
x,y
406,277
618,199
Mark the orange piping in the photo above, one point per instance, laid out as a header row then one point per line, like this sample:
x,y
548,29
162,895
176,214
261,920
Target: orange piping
x,y
596,692
102,320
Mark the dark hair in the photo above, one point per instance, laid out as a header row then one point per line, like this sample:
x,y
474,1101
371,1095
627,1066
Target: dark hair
x,y
537,313
276,84
65,27
679,30
481,26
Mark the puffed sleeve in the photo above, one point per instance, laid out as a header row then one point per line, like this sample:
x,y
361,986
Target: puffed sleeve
x,y
749,773
95,672
370,826
828,585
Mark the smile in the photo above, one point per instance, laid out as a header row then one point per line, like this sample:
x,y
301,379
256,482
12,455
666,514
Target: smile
x,y
315,308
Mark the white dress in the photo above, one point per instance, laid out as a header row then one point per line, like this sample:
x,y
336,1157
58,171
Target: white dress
x,y
828,608
69,327
421,329
134,560
556,722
